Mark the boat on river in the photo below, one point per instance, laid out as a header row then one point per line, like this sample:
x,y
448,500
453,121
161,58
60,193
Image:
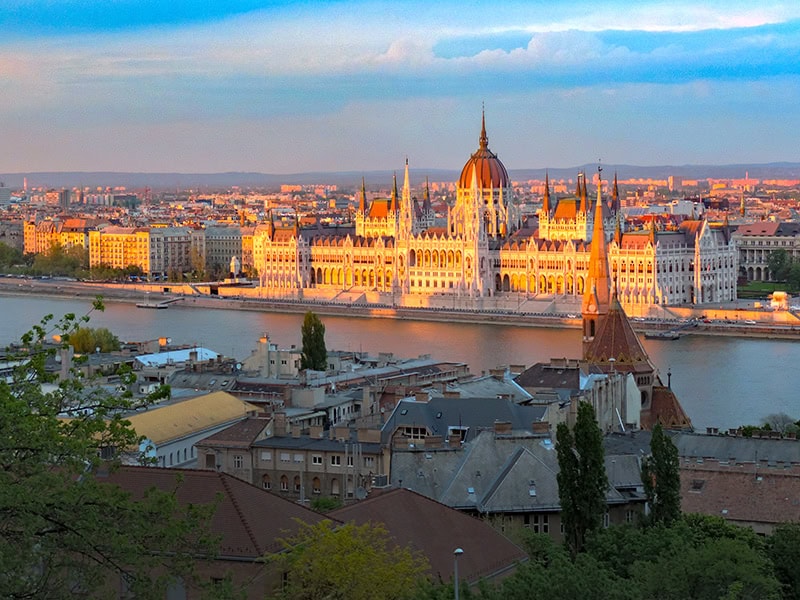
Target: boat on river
x,y
662,335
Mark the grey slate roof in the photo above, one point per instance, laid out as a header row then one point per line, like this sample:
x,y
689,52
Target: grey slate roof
x,y
473,413
502,473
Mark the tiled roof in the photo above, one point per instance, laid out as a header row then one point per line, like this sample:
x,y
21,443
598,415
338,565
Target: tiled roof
x,y
436,531
665,409
250,521
163,423
615,338
743,493
759,228
241,434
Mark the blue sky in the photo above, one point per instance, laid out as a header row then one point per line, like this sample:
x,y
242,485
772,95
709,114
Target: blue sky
x,y
286,87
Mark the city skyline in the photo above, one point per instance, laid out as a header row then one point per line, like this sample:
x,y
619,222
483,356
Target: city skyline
x,y
293,87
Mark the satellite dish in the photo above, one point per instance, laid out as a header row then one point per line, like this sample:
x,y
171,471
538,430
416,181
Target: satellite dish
x,y
238,366
361,493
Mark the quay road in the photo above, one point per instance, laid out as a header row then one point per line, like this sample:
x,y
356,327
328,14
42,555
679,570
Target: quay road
x,y
729,322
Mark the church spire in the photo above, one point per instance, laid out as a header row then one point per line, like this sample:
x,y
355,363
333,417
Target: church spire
x,y
615,195
617,230
546,199
596,298
652,236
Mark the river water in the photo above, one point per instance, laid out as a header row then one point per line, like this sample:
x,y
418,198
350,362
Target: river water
x,y
721,381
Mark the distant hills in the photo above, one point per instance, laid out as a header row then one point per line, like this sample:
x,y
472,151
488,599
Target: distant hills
x,y
213,181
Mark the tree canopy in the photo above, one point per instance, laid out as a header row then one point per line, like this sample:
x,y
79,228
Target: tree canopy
x,y
86,340
662,479
582,481
314,354
348,562
64,532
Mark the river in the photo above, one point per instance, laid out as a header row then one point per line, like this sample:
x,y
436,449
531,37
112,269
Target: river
x,y
721,381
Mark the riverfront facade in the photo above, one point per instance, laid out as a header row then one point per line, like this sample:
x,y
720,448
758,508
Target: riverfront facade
x,y
399,252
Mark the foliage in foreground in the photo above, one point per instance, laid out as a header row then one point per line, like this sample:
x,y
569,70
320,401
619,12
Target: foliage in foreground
x,y
347,562
697,557
64,532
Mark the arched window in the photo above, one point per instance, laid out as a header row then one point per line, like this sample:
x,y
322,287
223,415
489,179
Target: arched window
x,y
266,482
284,483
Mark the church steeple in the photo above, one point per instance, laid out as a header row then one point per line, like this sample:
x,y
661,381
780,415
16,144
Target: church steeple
x,y
615,195
596,298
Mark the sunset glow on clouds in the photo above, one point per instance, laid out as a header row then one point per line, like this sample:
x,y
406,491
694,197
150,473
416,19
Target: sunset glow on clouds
x,y
289,87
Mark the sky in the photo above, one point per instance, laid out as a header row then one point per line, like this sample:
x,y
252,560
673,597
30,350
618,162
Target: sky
x,y
334,85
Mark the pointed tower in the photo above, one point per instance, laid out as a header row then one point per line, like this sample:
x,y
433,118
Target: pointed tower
x,y
596,297
584,196
617,230
393,202
407,225
362,200
652,236
428,214
615,196
546,199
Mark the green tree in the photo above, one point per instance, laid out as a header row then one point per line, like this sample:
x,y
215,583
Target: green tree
x,y
314,355
582,481
86,340
779,263
793,277
64,531
347,562
9,256
783,548
661,478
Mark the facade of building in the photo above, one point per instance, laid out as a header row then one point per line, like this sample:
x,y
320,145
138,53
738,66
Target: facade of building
x,y
397,253
756,241
157,251
40,237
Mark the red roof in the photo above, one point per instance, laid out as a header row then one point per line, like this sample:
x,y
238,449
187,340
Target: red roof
x,y
437,530
250,521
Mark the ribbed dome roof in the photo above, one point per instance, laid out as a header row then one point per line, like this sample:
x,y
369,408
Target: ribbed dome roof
x,y
484,163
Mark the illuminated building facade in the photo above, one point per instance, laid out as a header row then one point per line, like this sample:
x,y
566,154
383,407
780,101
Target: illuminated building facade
x,y
395,254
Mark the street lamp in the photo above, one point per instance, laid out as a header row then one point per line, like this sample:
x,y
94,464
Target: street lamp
x,y
456,553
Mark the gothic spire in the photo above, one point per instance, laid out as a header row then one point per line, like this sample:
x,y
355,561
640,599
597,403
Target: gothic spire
x,y
393,203
653,230
426,196
546,199
362,201
484,140
615,195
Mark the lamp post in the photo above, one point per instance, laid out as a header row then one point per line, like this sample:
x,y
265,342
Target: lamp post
x,y
456,553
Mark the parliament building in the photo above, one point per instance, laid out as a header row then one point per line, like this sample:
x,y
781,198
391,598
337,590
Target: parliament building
x,y
399,253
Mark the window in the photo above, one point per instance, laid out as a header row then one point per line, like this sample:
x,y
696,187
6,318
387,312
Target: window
x,y
606,520
369,461
629,514
266,455
349,461
336,460
238,461
316,459
538,523
297,484
266,482
284,483
316,486
286,457
298,458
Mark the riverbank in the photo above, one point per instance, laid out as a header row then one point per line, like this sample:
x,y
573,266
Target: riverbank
x,y
698,321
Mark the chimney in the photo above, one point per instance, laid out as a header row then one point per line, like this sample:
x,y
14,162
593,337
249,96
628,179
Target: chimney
x,y
421,396
498,373
452,394
316,432
279,424
502,427
540,427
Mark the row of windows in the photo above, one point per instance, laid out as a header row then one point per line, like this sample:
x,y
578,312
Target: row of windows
x,y
316,459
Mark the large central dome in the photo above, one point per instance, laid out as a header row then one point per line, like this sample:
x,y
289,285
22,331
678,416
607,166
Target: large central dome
x,y
489,171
